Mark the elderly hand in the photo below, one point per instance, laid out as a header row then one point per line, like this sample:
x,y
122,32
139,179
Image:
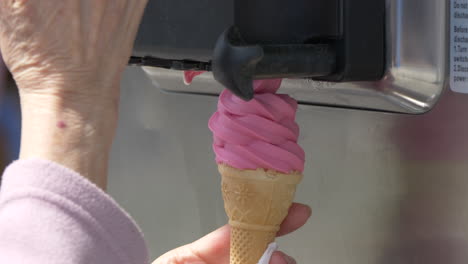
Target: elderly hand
x,y
214,248
67,57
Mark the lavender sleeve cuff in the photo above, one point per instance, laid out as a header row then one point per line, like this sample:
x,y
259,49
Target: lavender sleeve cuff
x,y
50,214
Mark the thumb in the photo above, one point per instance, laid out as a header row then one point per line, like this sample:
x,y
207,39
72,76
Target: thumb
x,y
281,258
211,249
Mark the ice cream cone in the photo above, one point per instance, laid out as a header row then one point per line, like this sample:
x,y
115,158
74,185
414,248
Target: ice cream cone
x,y
256,201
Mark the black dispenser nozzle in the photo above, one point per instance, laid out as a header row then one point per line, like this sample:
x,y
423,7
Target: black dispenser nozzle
x,y
236,64
331,40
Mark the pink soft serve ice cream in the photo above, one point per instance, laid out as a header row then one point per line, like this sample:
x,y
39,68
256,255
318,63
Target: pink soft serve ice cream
x,y
261,133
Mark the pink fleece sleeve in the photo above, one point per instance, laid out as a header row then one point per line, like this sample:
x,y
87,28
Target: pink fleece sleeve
x,y
50,214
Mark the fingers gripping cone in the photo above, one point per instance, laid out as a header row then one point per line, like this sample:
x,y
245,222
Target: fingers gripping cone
x,y
256,201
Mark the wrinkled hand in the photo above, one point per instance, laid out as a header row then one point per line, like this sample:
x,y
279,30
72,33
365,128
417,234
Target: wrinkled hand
x,y
57,45
67,58
214,248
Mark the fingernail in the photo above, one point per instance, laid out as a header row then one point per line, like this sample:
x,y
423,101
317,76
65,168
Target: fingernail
x,y
289,259
309,209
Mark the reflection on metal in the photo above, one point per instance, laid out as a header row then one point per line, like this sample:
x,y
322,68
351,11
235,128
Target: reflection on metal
x,y
417,66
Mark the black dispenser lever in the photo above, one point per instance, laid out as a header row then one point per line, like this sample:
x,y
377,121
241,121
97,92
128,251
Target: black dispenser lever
x,y
236,64
333,40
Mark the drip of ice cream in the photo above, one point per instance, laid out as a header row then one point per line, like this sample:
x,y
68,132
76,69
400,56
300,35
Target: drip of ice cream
x,y
190,75
261,133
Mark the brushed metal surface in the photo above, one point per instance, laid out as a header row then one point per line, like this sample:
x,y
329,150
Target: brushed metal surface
x,y
417,66
385,188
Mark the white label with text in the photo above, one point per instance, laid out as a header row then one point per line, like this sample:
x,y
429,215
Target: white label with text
x,y
459,46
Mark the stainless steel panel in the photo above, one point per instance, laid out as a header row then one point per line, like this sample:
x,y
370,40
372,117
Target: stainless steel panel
x,y
417,66
385,188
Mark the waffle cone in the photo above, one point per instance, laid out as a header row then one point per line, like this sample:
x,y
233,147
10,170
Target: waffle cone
x,y
256,201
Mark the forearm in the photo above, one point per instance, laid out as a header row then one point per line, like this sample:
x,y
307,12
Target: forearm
x,y
67,58
75,132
